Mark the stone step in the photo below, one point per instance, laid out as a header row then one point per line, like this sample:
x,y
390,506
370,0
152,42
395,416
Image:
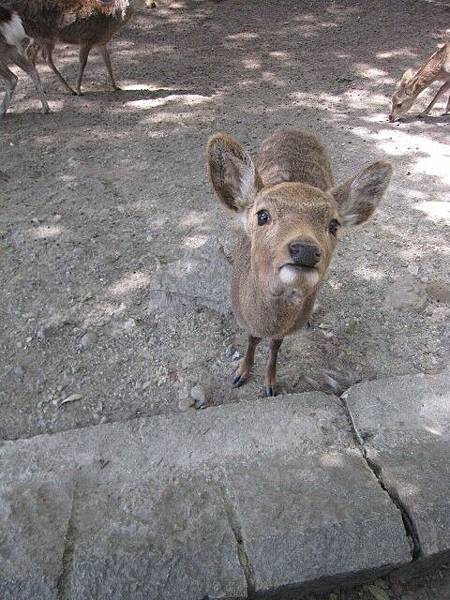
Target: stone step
x,y
249,499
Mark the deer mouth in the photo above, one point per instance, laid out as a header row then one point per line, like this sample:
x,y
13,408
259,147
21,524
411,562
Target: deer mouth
x,y
291,272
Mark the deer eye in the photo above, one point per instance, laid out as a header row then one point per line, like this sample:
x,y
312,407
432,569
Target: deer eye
x,y
399,104
263,217
333,226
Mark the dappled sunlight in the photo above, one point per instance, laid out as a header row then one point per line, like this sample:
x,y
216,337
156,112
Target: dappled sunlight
x,y
185,99
130,283
435,210
195,241
45,231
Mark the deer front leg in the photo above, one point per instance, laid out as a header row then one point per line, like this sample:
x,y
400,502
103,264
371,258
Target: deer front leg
x,y
439,93
271,368
447,108
246,364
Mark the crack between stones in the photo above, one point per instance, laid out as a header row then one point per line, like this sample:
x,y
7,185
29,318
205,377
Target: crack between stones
x,y
240,546
67,557
410,529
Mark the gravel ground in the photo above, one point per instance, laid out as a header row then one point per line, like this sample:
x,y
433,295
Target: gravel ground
x,y
115,257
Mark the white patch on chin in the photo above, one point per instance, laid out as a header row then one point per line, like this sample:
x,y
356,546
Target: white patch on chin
x,y
13,32
289,275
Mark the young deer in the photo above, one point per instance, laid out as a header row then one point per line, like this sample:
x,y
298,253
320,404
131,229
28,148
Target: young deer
x,y
86,23
413,83
291,213
12,42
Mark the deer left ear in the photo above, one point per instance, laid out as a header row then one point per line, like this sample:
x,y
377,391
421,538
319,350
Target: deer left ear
x,y
358,197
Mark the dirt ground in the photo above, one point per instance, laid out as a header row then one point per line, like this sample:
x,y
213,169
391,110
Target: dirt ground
x,y
115,257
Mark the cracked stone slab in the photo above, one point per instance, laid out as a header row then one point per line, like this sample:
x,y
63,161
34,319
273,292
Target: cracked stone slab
x,y
252,496
310,516
33,521
404,426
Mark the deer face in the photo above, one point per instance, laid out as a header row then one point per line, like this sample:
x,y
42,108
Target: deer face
x,y
403,98
293,227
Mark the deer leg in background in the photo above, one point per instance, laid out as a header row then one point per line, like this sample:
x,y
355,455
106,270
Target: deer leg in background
x,y
84,53
11,82
107,60
30,69
271,368
243,372
439,93
49,47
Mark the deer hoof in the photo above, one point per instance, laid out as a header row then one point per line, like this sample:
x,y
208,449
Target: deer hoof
x,y
238,380
269,391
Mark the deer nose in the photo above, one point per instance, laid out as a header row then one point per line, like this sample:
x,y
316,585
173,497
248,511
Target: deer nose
x,y
304,255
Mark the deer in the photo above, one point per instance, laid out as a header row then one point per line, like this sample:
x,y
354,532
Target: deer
x,y
86,23
291,213
413,83
13,41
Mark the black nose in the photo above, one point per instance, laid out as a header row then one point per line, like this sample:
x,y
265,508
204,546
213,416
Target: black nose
x,y
305,255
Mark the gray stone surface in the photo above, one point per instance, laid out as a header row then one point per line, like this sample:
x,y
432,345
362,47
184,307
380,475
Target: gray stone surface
x,y
251,496
34,515
404,424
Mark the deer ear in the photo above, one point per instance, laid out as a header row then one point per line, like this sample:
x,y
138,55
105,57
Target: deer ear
x,y
233,175
358,197
407,75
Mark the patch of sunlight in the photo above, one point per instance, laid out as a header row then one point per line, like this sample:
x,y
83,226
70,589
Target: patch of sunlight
x,y
331,460
196,241
46,231
395,54
251,64
435,210
145,87
434,430
281,55
362,98
243,35
130,283
186,99
368,72
369,274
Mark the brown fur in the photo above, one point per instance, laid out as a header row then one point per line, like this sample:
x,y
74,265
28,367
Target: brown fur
x,y
435,68
292,181
86,23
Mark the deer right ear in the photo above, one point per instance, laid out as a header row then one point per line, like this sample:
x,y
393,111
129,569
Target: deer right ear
x,y
407,75
233,175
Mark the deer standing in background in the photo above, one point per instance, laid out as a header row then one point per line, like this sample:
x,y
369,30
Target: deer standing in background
x,y
12,42
413,83
291,213
86,23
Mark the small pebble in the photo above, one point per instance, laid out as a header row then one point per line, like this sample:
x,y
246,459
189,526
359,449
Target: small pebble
x,y
199,396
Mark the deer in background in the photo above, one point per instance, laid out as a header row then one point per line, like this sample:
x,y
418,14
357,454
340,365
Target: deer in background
x,y
291,212
86,23
413,83
12,51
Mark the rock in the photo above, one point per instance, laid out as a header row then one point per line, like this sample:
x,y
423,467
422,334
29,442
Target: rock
x,y
404,425
406,293
88,340
199,396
